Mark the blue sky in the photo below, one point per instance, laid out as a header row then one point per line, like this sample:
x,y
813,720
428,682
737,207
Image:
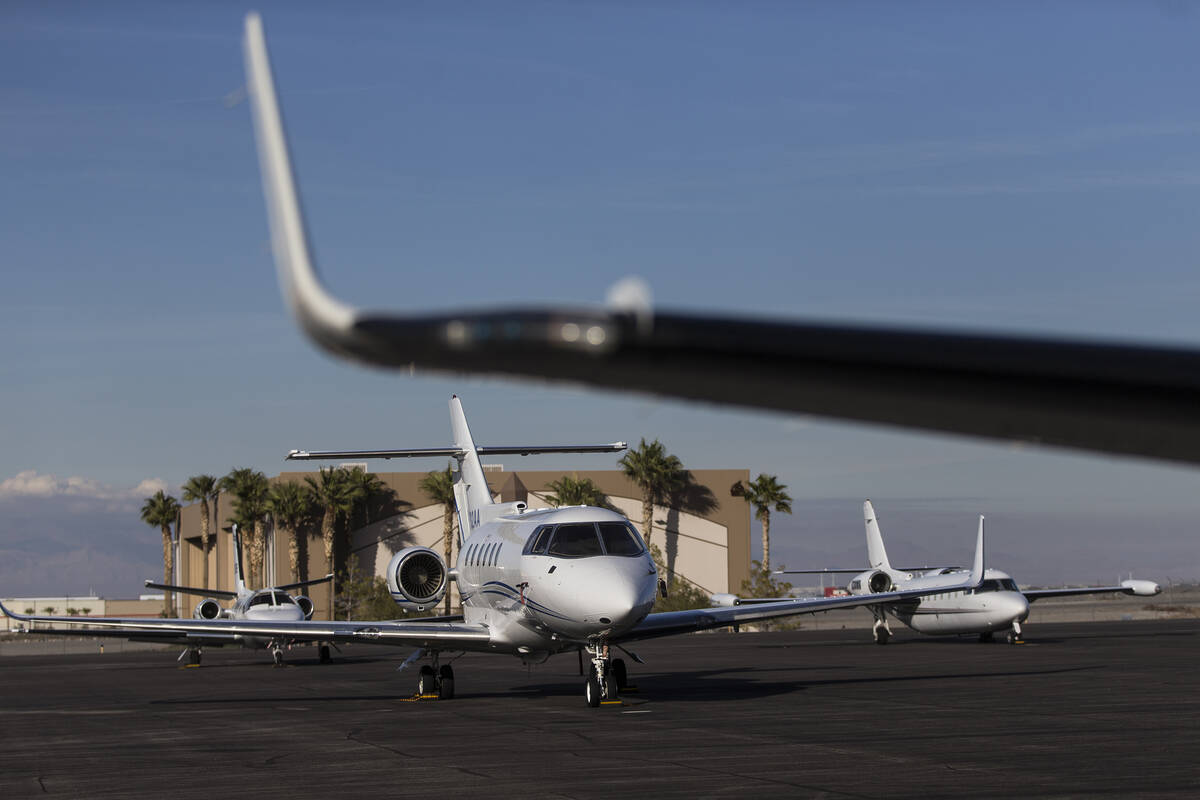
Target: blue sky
x,y
1014,168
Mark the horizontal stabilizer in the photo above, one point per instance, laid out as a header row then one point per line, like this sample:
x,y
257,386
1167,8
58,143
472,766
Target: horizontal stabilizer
x,y
455,452
301,584
166,587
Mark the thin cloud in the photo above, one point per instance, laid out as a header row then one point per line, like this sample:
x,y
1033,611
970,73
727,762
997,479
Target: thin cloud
x,y
31,483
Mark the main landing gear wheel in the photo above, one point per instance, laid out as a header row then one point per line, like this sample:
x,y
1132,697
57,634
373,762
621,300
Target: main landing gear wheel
x,y
323,654
881,634
426,682
194,657
446,683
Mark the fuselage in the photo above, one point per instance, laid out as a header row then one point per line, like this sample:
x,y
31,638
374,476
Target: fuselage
x,y
549,580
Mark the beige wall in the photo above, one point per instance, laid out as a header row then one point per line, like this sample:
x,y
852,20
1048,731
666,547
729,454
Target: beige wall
x,y
711,549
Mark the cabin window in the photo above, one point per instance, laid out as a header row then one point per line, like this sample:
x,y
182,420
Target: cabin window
x,y
620,539
538,540
576,540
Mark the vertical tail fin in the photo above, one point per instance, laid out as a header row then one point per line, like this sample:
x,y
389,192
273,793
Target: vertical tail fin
x,y
470,487
238,577
876,555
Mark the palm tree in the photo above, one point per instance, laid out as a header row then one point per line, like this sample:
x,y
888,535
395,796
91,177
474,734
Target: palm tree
x,y
364,486
764,493
439,486
198,489
289,503
573,491
333,494
249,488
657,473
161,511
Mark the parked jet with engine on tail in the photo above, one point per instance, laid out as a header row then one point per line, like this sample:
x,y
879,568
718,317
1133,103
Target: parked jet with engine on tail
x,y
273,603
995,606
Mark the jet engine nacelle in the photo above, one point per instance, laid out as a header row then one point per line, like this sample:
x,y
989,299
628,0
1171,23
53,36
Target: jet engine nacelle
x,y
873,582
417,578
207,608
306,605
1144,588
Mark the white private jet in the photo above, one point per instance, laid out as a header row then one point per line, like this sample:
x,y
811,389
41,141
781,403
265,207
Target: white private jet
x,y
274,603
533,583
996,605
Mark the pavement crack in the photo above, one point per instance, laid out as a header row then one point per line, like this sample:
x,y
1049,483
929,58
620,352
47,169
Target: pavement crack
x,y
42,784
352,736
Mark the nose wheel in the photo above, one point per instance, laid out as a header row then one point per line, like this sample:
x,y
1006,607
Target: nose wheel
x,y
277,655
607,676
1014,636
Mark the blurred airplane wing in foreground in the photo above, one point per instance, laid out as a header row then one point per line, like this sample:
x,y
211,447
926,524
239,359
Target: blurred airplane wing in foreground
x,y
1111,398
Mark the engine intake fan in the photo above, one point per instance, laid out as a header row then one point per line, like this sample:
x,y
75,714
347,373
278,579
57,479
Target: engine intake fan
x,y
417,578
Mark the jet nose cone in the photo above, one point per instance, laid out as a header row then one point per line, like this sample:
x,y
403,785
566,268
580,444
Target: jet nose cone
x,y
1015,605
623,602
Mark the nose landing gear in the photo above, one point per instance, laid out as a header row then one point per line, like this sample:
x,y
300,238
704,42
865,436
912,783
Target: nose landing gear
x,y
1014,636
881,631
607,676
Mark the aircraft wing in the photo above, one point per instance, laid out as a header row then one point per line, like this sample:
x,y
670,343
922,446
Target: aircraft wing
x,y
1115,398
1135,587
445,635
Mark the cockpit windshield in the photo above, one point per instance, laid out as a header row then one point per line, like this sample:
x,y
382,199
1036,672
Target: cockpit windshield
x,y
575,541
283,599
619,540
998,585
585,539
261,599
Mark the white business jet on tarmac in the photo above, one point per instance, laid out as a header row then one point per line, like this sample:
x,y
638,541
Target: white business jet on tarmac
x,y
273,603
533,583
997,605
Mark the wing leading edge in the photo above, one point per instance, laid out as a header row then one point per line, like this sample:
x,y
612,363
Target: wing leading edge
x,y
446,635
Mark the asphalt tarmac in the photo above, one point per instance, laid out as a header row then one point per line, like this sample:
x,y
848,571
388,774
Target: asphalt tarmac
x,y
1081,710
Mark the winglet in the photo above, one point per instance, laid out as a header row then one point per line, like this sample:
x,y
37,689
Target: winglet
x,y
319,312
8,613
978,568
